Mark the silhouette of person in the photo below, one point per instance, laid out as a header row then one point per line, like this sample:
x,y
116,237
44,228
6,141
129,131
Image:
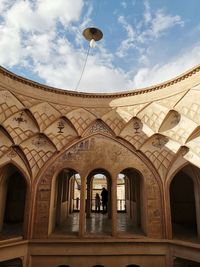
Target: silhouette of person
x,y
104,198
97,203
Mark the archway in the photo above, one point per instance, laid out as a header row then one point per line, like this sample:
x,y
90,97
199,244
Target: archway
x,y
13,191
129,202
116,157
65,203
183,206
98,191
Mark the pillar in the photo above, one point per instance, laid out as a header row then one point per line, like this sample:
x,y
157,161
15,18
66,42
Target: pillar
x,y
82,207
88,203
114,206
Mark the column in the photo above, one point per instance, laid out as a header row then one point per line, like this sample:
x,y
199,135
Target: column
x,y
88,203
114,205
82,207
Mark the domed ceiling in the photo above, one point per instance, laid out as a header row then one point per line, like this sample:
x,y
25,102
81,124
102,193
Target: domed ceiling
x,y
162,123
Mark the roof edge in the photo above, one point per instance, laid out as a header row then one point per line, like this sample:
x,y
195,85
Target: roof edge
x,y
133,92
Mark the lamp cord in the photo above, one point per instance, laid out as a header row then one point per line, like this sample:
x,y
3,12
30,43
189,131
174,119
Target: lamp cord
x,y
85,62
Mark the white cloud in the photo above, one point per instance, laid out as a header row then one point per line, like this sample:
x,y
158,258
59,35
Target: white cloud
x,y
28,31
30,36
147,12
160,73
127,43
124,4
143,33
162,22
10,45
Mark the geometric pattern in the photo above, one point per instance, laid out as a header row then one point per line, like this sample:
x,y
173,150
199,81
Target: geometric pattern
x,y
133,133
190,106
180,132
153,115
61,133
8,105
5,142
38,150
114,121
139,119
44,114
80,119
157,151
20,126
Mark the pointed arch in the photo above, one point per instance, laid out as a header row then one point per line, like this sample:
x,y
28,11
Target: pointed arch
x,y
15,200
62,201
115,156
98,127
190,186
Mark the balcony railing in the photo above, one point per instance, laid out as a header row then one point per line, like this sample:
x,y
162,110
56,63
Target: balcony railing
x,y
121,205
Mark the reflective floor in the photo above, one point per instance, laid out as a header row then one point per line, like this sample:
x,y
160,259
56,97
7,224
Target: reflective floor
x,y
11,231
98,225
181,232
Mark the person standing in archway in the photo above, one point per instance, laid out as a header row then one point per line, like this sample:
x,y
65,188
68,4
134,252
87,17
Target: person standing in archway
x,y
97,203
104,199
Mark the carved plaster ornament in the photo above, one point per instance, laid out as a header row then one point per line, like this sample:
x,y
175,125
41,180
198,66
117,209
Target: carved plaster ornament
x,y
159,141
61,126
99,127
12,153
39,141
20,118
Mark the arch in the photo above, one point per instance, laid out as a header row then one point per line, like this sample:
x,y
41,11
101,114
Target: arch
x,y
99,188
134,201
115,156
64,199
183,201
14,194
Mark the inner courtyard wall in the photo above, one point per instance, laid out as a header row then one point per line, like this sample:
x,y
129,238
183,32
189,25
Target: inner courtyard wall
x,y
154,132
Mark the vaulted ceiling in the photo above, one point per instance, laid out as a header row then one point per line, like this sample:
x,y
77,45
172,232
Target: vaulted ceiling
x,y
37,122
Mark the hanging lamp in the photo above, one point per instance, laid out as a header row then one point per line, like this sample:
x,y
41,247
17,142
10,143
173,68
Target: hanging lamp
x,y
92,35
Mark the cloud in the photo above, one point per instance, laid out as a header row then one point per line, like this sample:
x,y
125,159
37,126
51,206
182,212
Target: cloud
x,y
162,22
162,72
147,12
45,37
29,30
127,43
144,32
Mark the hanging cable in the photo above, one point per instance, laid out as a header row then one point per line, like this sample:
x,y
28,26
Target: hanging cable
x,y
85,62
92,35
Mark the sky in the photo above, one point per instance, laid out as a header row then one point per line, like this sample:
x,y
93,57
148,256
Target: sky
x,y
145,42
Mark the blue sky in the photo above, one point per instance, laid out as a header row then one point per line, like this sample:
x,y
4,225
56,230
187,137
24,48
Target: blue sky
x,y
145,41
